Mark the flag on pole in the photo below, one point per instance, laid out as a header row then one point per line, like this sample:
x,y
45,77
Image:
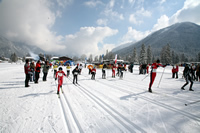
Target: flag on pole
x,y
102,58
115,58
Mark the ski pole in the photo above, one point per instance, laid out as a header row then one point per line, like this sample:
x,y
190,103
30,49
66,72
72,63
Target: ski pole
x,y
192,103
161,78
145,77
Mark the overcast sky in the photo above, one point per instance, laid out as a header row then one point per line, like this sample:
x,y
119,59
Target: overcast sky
x,y
76,27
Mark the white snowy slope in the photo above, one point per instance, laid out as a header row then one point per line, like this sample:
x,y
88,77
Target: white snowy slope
x,y
110,105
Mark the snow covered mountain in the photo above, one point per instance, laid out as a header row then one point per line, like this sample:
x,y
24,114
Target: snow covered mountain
x,y
8,47
183,38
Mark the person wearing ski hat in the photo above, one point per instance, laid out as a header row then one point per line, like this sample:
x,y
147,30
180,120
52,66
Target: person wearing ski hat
x,y
75,73
27,71
154,67
93,72
59,75
37,71
186,74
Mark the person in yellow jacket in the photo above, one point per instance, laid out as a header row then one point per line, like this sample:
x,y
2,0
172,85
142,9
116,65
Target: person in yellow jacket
x,y
55,67
68,67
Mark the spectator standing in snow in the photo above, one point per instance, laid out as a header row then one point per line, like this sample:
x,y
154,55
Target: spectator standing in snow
x,y
186,74
173,71
37,71
32,67
75,73
59,75
131,68
154,67
177,69
93,72
45,70
27,71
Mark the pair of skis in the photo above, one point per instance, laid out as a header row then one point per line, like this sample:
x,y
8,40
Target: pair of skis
x,y
61,91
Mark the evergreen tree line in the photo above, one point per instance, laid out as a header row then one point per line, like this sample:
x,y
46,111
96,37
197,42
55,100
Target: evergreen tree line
x,y
144,56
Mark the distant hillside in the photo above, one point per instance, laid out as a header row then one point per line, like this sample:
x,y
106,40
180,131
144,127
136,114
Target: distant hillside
x,y
183,38
8,47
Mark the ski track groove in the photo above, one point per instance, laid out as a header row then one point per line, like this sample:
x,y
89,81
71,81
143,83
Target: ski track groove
x,y
63,112
124,122
191,116
64,102
155,93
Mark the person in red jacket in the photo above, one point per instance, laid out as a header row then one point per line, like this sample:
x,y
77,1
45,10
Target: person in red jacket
x,y
93,72
113,70
59,75
173,71
27,71
154,67
37,71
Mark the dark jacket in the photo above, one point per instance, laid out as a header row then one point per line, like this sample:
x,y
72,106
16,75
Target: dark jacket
x,y
75,71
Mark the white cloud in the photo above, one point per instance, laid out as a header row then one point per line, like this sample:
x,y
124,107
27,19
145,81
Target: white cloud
x,y
138,15
112,14
29,22
134,35
111,3
87,39
189,12
133,20
162,22
63,3
93,3
102,21
162,1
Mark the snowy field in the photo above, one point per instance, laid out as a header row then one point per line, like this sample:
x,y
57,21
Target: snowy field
x,y
109,105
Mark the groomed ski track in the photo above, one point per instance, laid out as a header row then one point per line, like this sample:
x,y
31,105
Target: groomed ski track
x,y
102,105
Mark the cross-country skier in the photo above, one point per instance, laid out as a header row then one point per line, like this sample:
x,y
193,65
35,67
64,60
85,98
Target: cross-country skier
x,y
186,74
154,67
93,72
80,67
68,69
59,75
55,67
113,71
75,73
104,71
121,70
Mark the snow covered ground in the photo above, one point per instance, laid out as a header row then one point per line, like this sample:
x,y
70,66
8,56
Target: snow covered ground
x,y
107,105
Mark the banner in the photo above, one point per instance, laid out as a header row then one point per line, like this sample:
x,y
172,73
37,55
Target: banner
x,y
115,58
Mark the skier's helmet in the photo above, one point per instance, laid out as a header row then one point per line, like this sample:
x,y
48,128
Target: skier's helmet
x,y
60,68
158,61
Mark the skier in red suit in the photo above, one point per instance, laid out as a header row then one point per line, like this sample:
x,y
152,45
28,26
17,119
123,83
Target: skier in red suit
x,y
60,74
154,67
113,71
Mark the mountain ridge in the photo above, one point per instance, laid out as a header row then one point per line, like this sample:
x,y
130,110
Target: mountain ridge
x,y
182,37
